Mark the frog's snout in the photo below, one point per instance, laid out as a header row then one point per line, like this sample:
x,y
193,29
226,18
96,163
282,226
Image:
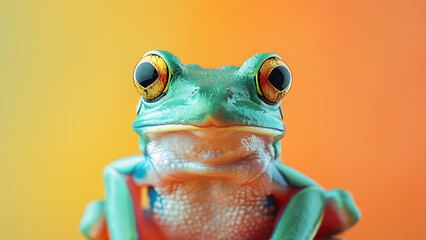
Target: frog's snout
x,y
211,103
212,95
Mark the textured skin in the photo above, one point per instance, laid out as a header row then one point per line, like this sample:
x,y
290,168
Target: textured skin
x,y
192,204
241,215
210,170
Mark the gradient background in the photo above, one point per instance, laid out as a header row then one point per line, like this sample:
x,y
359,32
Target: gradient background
x,y
356,114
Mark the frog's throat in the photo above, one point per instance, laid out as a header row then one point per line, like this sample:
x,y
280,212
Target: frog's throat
x,y
245,128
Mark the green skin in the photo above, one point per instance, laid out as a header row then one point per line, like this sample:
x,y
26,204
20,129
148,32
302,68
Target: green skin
x,y
304,212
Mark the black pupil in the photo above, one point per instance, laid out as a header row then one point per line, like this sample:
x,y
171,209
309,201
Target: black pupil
x,y
146,74
279,78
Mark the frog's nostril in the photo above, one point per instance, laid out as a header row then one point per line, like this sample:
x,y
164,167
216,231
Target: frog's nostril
x,y
231,93
195,90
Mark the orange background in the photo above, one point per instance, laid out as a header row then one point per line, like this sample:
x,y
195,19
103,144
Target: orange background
x,y
355,115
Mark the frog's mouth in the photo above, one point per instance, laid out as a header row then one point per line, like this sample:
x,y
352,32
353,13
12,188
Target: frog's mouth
x,y
277,133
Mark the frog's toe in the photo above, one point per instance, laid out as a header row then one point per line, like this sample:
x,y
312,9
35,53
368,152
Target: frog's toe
x,y
93,223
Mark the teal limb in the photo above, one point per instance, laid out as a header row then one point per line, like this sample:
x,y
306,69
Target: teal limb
x,y
302,216
295,178
344,201
142,143
340,213
92,219
119,203
126,165
277,148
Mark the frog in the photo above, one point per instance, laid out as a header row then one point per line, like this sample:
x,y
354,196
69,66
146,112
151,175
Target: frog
x,y
210,166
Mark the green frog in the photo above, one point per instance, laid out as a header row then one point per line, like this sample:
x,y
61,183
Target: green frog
x,y
210,166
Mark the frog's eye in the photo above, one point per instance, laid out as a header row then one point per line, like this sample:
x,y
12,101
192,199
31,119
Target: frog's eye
x,y
151,77
273,80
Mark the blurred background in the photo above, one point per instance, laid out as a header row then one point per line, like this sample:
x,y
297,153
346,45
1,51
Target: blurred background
x,y
356,114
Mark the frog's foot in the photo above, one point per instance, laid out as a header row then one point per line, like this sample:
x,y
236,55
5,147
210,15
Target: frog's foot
x,y
340,213
93,223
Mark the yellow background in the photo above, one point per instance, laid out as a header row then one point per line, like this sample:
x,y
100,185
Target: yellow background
x,y
355,115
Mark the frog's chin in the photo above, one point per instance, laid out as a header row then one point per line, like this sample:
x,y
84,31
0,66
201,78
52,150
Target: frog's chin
x,y
238,172
218,152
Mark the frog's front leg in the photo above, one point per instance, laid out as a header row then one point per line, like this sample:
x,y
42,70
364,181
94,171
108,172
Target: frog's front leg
x,y
340,213
313,212
121,208
93,223
302,216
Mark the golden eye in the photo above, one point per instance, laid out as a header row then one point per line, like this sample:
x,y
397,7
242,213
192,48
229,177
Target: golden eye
x,y
151,77
273,80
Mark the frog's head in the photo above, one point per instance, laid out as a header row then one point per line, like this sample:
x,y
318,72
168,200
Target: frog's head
x,y
211,102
